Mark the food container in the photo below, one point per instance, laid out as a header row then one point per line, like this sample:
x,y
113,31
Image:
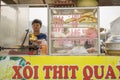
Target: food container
x,y
112,52
112,45
116,37
116,41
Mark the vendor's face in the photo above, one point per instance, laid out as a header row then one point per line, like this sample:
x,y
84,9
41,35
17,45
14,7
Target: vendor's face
x,y
36,26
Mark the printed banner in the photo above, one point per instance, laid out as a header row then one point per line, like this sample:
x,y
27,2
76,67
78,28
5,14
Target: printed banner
x,y
59,68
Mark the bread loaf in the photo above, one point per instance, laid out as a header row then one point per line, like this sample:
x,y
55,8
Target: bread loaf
x,y
70,20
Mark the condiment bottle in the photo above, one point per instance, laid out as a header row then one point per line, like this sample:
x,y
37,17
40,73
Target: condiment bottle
x,y
43,47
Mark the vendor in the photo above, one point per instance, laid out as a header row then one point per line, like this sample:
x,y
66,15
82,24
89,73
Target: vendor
x,y
38,36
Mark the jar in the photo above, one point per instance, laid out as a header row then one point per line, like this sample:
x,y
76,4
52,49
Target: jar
x,y
87,3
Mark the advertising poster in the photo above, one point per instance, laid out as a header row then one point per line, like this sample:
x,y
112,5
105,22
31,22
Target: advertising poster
x,y
59,40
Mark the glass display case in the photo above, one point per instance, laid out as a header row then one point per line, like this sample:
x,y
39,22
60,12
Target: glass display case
x,y
73,31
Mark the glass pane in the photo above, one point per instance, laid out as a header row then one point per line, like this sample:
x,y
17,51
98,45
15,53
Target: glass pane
x,y
23,24
14,22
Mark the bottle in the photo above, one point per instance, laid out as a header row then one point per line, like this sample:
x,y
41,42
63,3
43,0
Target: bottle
x,y
44,47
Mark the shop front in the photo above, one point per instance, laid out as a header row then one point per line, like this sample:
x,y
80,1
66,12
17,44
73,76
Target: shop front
x,y
43,42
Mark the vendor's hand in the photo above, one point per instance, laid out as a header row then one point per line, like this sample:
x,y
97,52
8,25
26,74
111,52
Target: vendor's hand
x,y
32,40
36,41
39,41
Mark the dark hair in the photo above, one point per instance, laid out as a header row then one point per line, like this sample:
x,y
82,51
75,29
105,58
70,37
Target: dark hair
x,y
37,21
